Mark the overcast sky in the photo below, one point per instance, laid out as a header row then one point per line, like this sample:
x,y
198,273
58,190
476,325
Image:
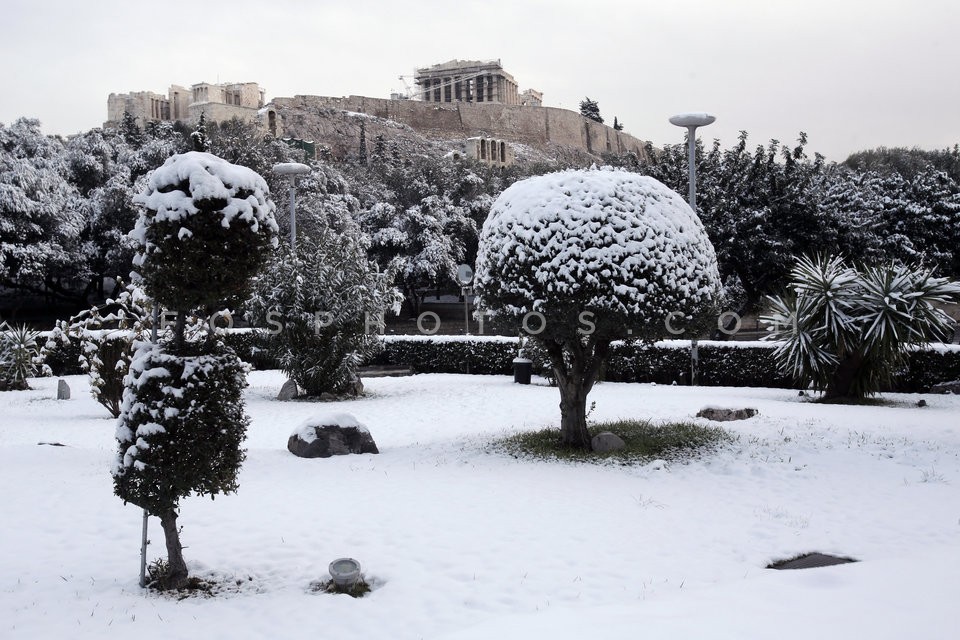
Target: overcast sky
x,y
851,74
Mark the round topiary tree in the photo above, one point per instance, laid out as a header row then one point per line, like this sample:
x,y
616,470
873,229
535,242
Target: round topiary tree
x,y
580,258
207,226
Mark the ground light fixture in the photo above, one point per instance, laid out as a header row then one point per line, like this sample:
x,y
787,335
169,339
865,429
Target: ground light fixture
x,y
345,572
292,169
691,121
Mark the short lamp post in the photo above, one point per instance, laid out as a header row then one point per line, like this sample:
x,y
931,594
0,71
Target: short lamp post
x,y
691,121
292,169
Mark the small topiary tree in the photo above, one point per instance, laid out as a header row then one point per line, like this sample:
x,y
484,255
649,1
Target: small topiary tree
x,y
589,257
205,229
316,306
846,332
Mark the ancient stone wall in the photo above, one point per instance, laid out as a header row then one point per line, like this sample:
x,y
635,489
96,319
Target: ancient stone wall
x,y
534,126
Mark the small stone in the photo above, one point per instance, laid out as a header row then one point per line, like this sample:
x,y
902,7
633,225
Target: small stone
x,y
921,402
718,414
355,387
946,387
801,394
326,396
607,441
288,391
331,435
63,390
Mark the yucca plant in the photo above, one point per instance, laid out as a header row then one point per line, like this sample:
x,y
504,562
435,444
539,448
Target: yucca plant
x,y
18,351
846,332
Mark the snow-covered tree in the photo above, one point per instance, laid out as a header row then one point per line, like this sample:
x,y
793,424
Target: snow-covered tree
x,y
199,137
590,109
601,255
318,303
40,213
846,332
206,227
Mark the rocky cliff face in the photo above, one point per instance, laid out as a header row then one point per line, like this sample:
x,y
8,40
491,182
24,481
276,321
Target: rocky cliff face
x,y
542,133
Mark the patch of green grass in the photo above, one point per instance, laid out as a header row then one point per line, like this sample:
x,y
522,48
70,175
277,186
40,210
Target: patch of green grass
x,y
645,441
358,590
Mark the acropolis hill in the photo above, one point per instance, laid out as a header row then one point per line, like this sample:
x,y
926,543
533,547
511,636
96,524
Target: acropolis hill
x,y
454,102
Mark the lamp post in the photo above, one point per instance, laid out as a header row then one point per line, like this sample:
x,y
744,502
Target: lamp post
x,y
292,169
691,121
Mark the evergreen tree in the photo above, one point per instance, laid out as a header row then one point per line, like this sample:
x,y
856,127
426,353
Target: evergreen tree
x,y
598,255
617,125
363,143
205,229
199,138
590,109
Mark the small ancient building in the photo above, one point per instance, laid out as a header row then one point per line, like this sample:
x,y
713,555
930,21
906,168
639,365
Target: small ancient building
x,y
219,102
497,153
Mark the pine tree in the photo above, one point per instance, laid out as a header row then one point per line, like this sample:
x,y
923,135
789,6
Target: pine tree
x,y
617,125
199,136
590,109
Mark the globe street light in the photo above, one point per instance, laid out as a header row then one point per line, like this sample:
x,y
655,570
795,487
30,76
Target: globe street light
x,y
691,121
292,169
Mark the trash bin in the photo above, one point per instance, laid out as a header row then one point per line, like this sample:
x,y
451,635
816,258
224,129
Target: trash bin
x,y
522,367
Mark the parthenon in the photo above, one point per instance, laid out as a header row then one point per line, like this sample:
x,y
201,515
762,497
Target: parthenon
x,y
467,81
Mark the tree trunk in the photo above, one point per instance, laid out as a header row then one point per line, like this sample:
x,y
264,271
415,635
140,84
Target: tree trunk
x,y
176,567
573,414
841,383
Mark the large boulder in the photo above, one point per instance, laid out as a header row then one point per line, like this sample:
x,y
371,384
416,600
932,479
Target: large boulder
x,y
333,434
607,441
719,414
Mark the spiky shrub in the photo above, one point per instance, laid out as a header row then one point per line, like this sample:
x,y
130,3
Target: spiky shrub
x,y
317,305
206,227
18,351
847,332
601,255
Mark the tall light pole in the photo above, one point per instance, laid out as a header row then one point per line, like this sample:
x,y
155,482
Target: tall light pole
x,y
292,169
691,121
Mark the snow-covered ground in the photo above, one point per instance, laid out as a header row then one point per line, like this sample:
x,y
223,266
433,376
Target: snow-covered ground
x,y
464,543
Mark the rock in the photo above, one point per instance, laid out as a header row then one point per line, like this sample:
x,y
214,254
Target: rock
x,y
355,387
921,402
718,414
946,387
334,434
326,396
288,391
63,390
607,441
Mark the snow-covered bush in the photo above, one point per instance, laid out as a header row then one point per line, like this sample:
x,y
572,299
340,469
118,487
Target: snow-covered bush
x,y
847,332
18,351
600,255
105,334
206,228
316,306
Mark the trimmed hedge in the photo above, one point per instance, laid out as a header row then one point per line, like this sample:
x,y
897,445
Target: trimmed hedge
x,y
733,364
